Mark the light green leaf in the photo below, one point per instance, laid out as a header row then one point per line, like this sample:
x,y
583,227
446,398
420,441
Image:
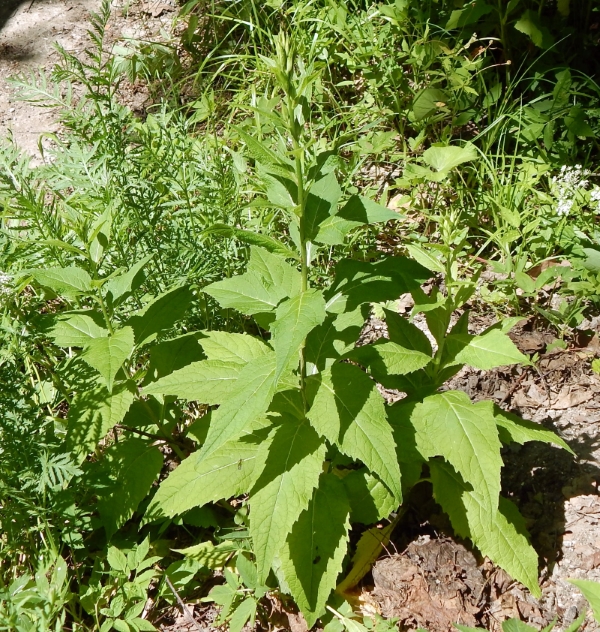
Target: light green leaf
x,y
209,555
513,429
70,282
268,280
358,211
243,614
107,354
263,154
425,258
293,463
389,358
465,434
295,318
253,393
162,313
516,625
487,351
133,465
498,533
208,381
91,415
121,286
591,591
349,412
76,331
444,159
235,348
314,550
227,472
370,499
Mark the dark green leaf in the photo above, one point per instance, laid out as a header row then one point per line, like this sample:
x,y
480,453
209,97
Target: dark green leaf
x,y
134,465
161,314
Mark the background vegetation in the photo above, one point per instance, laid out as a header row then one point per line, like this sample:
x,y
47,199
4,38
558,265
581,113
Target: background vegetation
x,y
463,136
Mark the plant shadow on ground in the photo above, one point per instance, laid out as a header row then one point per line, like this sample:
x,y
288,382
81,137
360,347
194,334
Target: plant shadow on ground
x,y
8,8
548,485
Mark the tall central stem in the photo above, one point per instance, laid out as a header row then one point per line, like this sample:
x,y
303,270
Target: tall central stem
x,y
299,163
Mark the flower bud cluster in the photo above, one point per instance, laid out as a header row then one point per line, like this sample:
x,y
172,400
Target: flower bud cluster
x,y
6,285
567,184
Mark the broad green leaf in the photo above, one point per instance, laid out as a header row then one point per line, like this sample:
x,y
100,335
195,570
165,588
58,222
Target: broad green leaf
x,y
295,318
280,190
253,393
349,412
443,159
162,313
358,282
227,472
70,282
370,500
426,102
426,258
321,203
314,550
487,351
293,463
498,533
389,358
513,429
209,555
171,355
133,465
516,625
243,614
465,434
469,15
267,281
591,591
358,211
107,354
208,382
263,154
530,24
249,237
76,331
236,348
404,333
368,549
334,337
576,123
121,286
91,415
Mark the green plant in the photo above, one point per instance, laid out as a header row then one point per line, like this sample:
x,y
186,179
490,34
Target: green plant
x,y
239,597
116,598
38,603
300,426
